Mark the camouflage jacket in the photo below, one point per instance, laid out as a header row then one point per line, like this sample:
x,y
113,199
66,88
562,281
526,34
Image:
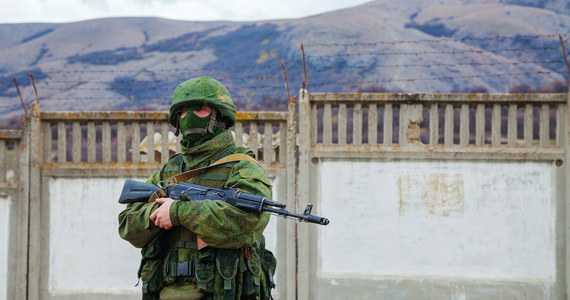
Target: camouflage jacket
x,y
217,223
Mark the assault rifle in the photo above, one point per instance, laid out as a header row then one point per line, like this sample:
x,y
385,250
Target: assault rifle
x,y
136,191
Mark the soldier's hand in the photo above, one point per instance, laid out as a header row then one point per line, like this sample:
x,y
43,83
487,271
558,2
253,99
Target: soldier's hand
x,y
161,216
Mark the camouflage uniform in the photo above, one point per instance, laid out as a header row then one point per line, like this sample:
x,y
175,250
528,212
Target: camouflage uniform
x,y
230,267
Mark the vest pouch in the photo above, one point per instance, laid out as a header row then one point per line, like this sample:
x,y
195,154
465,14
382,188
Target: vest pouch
x,y
252,276
155,247
205,270
227,261
151,278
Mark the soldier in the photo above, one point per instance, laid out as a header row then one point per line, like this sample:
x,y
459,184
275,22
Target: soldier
x,y
235,263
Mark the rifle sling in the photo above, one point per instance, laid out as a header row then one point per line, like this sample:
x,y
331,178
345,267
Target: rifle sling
x,y
182,177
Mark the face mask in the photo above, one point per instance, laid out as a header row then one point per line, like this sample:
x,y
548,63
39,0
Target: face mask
x,y
197,130
192,126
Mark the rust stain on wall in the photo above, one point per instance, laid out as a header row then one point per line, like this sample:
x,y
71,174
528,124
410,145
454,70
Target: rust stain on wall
x,y
431,194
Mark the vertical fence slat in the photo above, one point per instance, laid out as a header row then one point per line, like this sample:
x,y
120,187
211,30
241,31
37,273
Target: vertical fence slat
x,y
512,132
121,143
357,125
448,126
136,143
239,134
76,151
528,119
253,139
388,119
434,125
150,142
91,141
545,126
16,160
480,125
496,126
3,161
61,142
106,142
164,141
342,124
327,125
560,125
372,124
267,143
464,126
282,142
47,144
314,124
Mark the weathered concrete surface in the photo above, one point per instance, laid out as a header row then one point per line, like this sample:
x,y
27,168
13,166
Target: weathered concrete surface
x,y
87,259
5,203
402,223
85,250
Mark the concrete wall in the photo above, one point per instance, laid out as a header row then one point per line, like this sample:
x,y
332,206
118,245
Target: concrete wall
x,y
5,203
86,257
490,222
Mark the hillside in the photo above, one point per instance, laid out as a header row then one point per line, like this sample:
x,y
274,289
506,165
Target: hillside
x,y
411,46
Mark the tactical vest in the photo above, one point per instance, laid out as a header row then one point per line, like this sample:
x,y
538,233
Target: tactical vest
x,y
172,257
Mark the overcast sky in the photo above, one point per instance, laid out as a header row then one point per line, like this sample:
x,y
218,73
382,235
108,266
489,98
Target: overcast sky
x,y
24,11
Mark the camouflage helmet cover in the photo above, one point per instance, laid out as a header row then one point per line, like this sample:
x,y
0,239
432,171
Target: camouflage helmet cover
x,y
205,90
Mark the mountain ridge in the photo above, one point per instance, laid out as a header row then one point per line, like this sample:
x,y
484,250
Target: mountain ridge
x,y
410,46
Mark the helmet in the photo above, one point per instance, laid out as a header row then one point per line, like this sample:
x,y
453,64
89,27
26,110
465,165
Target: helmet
x,y
207,91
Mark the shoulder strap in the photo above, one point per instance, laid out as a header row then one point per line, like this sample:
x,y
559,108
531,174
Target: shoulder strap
x,y
171,181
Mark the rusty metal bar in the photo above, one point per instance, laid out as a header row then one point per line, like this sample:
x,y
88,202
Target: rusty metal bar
x,y
544,131
76,143
448,126
327,125
388,119
121,143
34,86
528,120
267,143
437,97
434,125
342,124
61,143
372,124
91,142
21,98
496,126
136,144
464,126
239,134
